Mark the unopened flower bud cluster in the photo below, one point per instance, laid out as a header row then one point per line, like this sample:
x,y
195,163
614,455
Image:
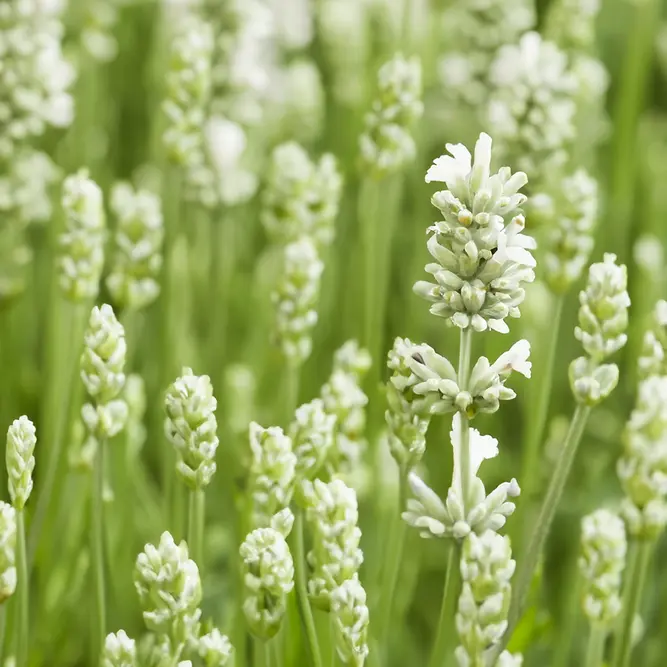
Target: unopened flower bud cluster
x,y
312,434
8,576
601,564
603,320
653,356
102,364
20,460
133,281
191,426
387,143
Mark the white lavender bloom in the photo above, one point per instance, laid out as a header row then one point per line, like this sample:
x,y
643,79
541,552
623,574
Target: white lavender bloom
x,y
571,23
351,620
102,363
332,512
20,460
532,105
601,564
215,649
642,469
482,256
191,427
293,23
119,650
268,575
486,571
458,517
473,31
569,213
312,434
387,144
272,472
603,319
408,414
653,357
35,77
7,551
301,197
344,398
188,88
343,26
169,588
649,255
82,243
295,300
97,35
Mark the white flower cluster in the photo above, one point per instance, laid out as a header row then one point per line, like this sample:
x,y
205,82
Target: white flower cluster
x,y
169,588
332,512
601,564
133,281
119,650
312,434
532,106
102,364
301,197
191,427
571,23
568,211
7,551
295,299
482,256
268,575
455,517
188,87
82,243
351,620
387,144
20,460
653,356
215,649
486,572
473,31
272,472
344,398
642,469
603,320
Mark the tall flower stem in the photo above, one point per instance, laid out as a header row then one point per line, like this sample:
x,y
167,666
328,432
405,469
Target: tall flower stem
x,y
196,514
23,594
464,371
595,649
542,525
394,558
97,551
302,591
537,421
445,619
639,557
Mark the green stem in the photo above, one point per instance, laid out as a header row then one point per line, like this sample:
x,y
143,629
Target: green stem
x,y
439,652
3,630
464,369
302,592
595,649
537,420
292,382
97,550
394,555
23,594
268,654
639,557
196,514
542,524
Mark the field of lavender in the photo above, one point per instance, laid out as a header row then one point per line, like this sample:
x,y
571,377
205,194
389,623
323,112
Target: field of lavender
x,y
287,286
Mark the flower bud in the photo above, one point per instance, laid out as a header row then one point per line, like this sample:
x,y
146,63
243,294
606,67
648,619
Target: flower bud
x,y
21,441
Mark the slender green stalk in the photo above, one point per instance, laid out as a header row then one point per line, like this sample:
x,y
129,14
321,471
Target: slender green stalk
x,y
268,654
446,619
639,557
542,524
97,552
302,592
23,593
3,630
538,418
464,370
291,398
196,514
595,649
394,556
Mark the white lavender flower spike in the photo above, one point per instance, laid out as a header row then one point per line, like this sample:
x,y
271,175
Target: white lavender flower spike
x,y
312,434
482,256
351,620
7,551
653,357
215,649
21,441
601,564
119,650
